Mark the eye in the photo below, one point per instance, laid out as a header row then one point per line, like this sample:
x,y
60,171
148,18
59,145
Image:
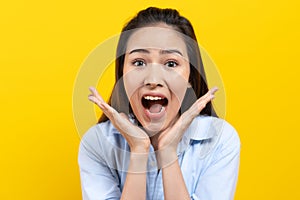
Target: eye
x,y
139,63
171,63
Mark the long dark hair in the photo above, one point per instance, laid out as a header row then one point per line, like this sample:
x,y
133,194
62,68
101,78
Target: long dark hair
x,y
151,17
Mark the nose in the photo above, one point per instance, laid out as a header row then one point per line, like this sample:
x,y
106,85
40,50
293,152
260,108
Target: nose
x,y
154,77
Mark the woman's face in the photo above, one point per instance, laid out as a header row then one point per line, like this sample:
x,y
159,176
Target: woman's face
x,y
156,73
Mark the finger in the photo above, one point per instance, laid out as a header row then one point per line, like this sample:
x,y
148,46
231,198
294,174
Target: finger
x,y
123,121
212,91
188,116
201,102
109,111
120,120
129,130
96,94
97,99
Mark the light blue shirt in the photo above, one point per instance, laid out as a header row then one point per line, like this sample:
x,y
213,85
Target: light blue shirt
x,y
208,155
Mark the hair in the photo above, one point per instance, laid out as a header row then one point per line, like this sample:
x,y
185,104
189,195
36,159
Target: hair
x,y
197,78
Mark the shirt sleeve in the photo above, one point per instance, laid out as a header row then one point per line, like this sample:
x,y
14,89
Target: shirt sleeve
x,y
97,180
218,181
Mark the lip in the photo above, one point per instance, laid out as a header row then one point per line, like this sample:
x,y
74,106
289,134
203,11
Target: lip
x,y
154,94
155,116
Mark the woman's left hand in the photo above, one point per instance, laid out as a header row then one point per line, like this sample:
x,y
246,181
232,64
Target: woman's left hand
x,y
169,139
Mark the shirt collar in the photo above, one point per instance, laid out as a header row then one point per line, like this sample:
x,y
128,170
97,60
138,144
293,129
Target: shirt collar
x,y
201,128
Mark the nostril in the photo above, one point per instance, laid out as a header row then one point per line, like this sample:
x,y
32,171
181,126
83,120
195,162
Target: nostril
x,y
153,85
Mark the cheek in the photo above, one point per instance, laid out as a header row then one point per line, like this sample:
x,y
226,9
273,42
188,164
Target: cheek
x,y
132,81
135,105
178,89
178,84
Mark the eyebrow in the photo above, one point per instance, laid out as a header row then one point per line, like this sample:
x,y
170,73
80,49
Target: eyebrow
x,y
167,51
139,51
170,51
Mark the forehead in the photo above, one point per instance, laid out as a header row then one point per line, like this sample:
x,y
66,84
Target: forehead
x,y
157,38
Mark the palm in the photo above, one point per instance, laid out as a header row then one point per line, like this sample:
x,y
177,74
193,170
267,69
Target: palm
x,y
135,136
171,136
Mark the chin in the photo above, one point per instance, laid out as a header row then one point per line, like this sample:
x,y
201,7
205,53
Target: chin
x,y
153,129
156,127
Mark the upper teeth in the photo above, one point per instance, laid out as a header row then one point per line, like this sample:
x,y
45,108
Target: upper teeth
x,y
152,98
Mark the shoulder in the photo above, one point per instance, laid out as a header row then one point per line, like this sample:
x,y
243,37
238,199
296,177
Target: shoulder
x,y
205,127
103,129
100,135
212,135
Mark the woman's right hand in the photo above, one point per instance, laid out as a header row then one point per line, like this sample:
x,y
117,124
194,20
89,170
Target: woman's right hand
x,y
138,140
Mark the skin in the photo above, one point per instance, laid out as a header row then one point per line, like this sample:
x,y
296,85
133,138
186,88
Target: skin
x,y
157,65
149,68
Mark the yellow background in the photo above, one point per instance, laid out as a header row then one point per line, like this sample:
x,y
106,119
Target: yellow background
x,y
255,45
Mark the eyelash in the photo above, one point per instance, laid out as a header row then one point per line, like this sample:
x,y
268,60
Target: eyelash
x,y
138,61
172,61
143,63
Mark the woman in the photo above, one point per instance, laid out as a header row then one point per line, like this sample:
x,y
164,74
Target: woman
x,y
159,137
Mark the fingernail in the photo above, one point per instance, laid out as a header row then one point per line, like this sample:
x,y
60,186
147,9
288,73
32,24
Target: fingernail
x,y
91,97
214,89
91,88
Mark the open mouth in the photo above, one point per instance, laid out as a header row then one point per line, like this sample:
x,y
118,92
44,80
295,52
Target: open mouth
x,y
154,104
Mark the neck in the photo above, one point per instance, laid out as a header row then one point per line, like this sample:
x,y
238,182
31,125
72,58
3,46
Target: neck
x,y
154,141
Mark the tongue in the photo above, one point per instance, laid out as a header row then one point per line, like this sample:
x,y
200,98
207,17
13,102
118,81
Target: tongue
x,y
155,108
